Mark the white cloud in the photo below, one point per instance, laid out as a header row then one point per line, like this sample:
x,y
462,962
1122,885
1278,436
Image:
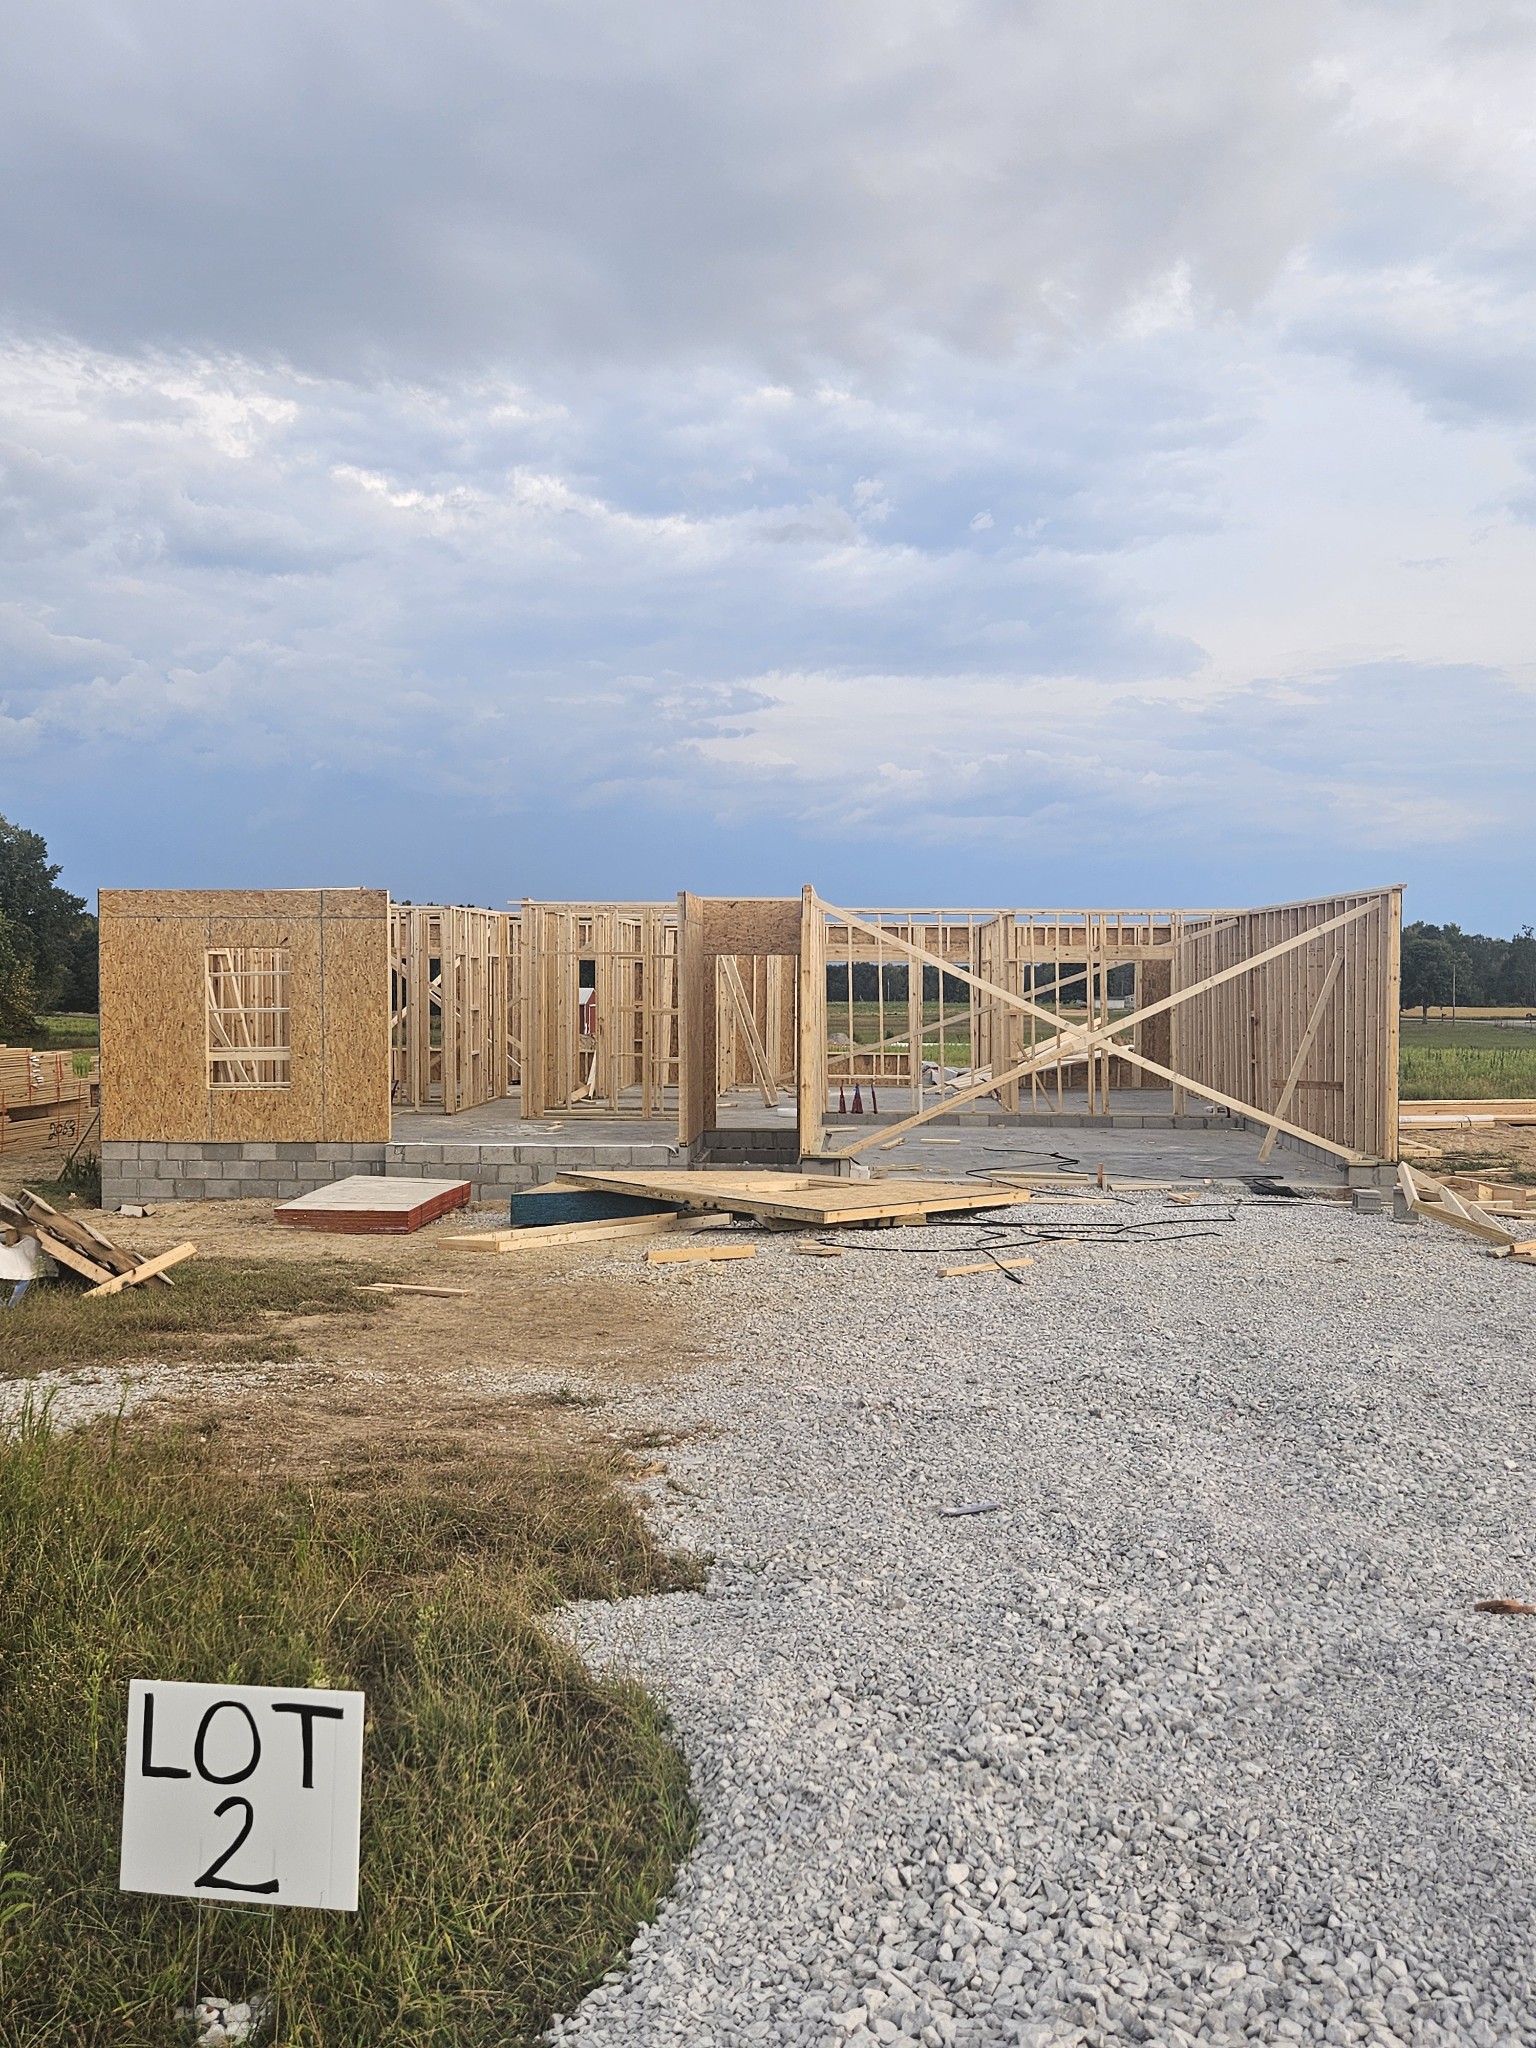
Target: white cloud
x,y
1090,432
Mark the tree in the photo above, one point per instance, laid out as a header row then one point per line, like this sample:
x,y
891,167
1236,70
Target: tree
x,y
1429,961
16,997
1517,977
45,920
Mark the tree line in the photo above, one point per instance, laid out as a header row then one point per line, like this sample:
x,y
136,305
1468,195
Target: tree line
x,y
1444,964
47,937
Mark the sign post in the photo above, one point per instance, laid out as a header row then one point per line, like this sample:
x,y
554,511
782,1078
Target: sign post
x,y
242,1795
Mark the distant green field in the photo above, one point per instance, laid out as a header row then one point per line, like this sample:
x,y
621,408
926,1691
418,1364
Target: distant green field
x,y
1472,1061
64,1030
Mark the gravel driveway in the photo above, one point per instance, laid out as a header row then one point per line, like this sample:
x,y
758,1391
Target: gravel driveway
x,y
1195,1735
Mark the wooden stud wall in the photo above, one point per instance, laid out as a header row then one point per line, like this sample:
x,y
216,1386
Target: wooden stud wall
x,y
1308,1036
454,975
622,1056
154,1014
449,1007
1243,1037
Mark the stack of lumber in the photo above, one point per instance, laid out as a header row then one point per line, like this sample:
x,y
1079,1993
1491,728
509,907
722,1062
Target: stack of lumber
x,y
369,1204
1494,1197
1514,1110
36,1081
78,1249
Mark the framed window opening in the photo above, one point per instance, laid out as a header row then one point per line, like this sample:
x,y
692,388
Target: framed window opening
x,y
249,1043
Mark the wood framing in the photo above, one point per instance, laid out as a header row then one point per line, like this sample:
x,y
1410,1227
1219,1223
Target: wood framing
x,y
454,979
170,992
734,1001
598,1008
1258,1015
301,1014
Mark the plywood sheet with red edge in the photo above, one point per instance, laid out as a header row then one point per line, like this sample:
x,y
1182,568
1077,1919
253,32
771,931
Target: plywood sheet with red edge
x,y
365,1205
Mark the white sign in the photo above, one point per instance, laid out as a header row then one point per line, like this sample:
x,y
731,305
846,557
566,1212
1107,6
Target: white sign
x,y
243,1792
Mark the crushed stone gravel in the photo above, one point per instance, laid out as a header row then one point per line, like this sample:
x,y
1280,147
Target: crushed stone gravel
x,y
1196,1738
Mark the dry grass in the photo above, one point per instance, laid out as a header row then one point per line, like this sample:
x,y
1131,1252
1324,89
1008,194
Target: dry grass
x,y
221,1308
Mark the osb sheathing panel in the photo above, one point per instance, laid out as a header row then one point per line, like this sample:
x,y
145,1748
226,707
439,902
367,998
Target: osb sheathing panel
x,y
225,902
154,946
747,925
153,1029
356,1049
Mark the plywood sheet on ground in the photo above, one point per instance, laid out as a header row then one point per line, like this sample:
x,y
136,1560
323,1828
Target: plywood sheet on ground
x,y
807,1198
367,1204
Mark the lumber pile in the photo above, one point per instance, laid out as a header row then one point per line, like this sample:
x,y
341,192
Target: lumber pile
x,y
79,1250
602,1230
1442,1203
35,1081
1493,1197
1510,1110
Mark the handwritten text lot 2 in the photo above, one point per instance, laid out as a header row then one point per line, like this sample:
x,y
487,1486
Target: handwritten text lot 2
x,y
243,1794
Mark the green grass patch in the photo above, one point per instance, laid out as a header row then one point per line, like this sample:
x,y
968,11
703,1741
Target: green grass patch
x,y
65,1029
1485,1034
1466,1073
520,1817
232,1300
76,1186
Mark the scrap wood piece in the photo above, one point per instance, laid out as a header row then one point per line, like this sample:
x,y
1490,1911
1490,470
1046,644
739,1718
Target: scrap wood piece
x,y
1502,1607
1495,1197
71,1242
77,1233
677,1254
404,1287
599,1231
147,1271
822,1251
986,1266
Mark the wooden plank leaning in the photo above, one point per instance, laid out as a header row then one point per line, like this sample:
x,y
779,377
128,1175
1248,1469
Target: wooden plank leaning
x,y
151,1269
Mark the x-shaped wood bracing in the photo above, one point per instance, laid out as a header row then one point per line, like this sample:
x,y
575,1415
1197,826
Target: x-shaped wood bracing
x,y
1077,1041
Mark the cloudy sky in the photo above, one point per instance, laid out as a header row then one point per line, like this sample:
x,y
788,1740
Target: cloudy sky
x,y
1055,452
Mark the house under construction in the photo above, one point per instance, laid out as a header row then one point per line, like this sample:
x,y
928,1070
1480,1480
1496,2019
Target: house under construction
x,y
263,1042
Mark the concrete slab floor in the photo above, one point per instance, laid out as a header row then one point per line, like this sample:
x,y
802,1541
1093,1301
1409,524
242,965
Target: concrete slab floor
x,y
1219,1153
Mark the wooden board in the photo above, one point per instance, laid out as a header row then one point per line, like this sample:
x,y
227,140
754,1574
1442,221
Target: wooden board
x,y
814,1199
679,1254
545,1237
369,1204
1501,1112
151,1269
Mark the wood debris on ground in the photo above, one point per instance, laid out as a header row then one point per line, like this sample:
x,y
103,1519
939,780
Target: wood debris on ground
x,y
81,1251
678,1254
1502,1607
407,1287
537,1236
1441,1203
